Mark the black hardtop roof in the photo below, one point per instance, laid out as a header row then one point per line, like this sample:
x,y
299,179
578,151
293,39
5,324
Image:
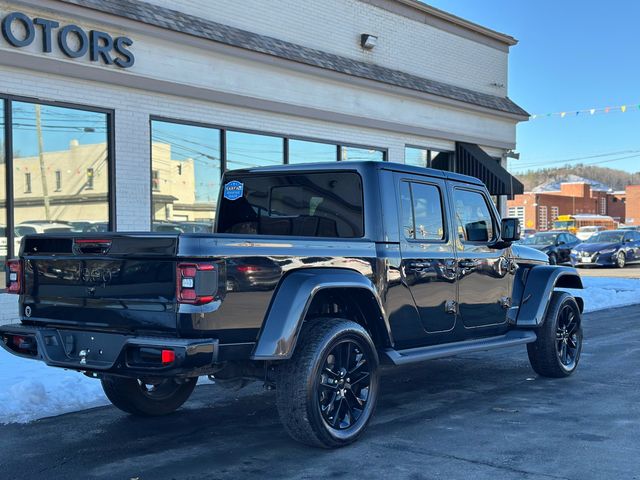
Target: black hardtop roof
x,y
361,166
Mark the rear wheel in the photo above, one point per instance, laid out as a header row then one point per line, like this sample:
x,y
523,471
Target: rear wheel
x,y
327,392
556,352
148,398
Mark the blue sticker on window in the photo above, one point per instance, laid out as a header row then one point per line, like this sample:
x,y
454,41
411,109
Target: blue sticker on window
x,y
233,190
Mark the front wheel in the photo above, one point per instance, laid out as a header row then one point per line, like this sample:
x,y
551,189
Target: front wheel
x,y
556,352
148,398
621,260
327,392
553,259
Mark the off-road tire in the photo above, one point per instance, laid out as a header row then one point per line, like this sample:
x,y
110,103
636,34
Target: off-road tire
x,y
130,396
545,354
299,381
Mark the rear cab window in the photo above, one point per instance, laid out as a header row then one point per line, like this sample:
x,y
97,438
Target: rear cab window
x,y
326,204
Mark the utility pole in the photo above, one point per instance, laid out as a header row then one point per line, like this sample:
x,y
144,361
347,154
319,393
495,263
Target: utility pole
x,y
45,190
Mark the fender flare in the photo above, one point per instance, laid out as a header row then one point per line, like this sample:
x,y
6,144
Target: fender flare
x,y
540,284
289,305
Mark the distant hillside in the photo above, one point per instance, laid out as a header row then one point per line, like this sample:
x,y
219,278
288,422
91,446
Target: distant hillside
x,y
616,179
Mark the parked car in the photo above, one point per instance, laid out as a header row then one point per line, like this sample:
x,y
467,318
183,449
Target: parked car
x,y
388,261
615,248
528,232
584,233
630,227
557,245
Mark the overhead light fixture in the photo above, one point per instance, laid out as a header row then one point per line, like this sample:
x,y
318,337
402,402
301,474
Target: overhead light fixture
x,y
368,41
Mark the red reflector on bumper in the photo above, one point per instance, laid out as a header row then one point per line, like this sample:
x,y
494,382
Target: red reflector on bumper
x,y
168,356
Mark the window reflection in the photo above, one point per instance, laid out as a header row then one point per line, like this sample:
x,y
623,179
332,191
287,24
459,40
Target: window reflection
x,y
245,150
352,153
301,151
51,144
185,177
3,199
418,157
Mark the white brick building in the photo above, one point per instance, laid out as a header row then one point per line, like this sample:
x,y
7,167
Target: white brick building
x,y
228,83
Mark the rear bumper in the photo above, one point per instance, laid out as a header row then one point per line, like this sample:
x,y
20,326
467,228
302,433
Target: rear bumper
x,y
110,353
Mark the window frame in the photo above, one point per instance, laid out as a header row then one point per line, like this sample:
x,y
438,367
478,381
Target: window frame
x,y
443,209
492,213
9,151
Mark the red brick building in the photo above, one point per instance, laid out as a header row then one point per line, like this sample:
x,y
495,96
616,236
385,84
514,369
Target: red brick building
x,y
633,205
538,209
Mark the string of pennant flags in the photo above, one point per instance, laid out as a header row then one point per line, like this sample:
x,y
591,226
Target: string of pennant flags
x,y
588,111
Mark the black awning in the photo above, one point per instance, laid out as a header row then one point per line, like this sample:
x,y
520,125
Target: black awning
x,y
472,160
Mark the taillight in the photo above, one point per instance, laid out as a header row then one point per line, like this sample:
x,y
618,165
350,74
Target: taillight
x,y
196,283
14,276
248,268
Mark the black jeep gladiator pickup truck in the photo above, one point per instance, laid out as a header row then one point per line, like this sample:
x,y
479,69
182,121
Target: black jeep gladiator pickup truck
x,y
315,276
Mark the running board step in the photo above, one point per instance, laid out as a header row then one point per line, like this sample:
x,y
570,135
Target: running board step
x,y
412,355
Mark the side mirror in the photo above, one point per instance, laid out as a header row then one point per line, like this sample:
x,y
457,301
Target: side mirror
x,y
560,242
510,228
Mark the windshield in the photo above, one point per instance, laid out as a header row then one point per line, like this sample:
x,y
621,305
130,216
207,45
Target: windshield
x,y
563,225
607,237
541,239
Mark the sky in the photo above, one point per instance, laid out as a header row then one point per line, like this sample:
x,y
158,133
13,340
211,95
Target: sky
x,y
572,55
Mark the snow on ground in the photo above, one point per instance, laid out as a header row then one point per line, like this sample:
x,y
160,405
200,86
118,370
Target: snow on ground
x,y
602,293
31,390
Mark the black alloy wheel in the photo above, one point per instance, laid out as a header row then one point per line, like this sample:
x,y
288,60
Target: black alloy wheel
x,y
556,351
326,393
567,338
148,397
344,385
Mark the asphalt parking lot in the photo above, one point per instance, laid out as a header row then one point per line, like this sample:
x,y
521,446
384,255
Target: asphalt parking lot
x,y
630,271
481,416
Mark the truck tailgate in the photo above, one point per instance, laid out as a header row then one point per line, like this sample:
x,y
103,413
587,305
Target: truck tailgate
x,y
120,281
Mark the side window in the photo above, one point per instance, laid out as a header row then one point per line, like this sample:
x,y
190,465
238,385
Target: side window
x,y
473,218
421,212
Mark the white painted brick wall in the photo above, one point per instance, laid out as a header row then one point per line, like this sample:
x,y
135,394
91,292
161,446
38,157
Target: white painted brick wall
x,y
132,111
336,25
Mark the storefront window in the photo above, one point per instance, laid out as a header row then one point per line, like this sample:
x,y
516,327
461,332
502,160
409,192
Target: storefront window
x,y
185,177
301,151
3,196
352,153
245,150
418,157
51,143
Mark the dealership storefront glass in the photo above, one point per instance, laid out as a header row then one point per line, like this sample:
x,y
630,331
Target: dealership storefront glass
x,y
185,176
57,160
302,151
3,194
187,160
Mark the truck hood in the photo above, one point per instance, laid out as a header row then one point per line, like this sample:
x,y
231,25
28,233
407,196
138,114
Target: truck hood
x,y
521,252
